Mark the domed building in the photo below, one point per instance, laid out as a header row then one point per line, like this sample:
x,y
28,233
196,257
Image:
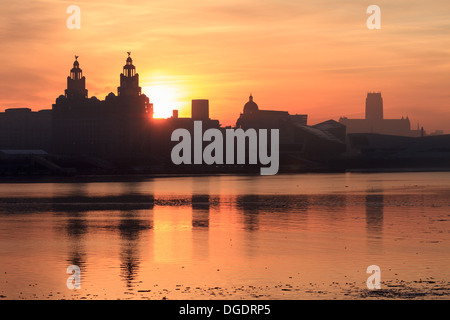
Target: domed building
x,y
76,83
253,117
129,80
111,128
250,107
300,145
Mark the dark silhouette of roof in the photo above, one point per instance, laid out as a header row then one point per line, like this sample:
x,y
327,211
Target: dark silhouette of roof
x,y
250,106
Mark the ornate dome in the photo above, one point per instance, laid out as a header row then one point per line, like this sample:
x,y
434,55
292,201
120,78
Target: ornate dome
x,y
129,60
75,63
250,106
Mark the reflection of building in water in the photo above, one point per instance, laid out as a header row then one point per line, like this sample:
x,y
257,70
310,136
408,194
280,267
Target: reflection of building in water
x,y
299,207
130,229
76,226
375,122
79,205
250,207
200,226
76,229
333,207
284,210
200,211
374,219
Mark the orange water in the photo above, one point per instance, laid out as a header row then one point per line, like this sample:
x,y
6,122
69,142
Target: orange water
x,y
228,237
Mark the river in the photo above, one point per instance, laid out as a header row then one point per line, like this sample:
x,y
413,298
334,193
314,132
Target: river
x,y
306,236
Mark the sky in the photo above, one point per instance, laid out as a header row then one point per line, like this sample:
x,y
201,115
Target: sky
x,y
306,57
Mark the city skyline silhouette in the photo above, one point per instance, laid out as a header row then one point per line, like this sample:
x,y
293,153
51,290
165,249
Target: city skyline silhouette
x,y
241,151
169,110
83,134
298,57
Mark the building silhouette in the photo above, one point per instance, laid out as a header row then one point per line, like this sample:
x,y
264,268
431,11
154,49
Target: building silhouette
x,y
116,128
82,134
374,121
374,107
253,117
302,147
21,128
76,82
200,109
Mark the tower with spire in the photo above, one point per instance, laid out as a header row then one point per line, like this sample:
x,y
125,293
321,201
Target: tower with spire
x,y
114,126
76,82
129,80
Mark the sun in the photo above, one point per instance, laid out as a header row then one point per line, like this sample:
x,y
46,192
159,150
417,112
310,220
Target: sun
x,y
164,99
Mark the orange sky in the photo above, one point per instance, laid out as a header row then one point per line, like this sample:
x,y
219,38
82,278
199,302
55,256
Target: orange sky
x,y
315,57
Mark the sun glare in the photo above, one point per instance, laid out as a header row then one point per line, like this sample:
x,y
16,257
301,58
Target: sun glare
x,y
164,98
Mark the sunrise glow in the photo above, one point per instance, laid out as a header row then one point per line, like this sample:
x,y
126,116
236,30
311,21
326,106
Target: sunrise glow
x,y
299,57
164,98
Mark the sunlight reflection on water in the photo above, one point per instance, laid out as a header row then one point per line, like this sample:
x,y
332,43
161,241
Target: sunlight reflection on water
x,y
227,237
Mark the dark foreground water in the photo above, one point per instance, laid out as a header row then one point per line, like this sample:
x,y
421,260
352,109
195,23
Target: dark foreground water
x,y
228,237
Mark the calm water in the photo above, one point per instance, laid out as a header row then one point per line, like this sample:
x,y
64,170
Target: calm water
x,y
228,237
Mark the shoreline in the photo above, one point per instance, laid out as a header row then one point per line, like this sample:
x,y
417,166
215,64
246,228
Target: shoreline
x,y
136,177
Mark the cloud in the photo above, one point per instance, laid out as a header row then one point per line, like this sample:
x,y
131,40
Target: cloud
x,y
304,56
